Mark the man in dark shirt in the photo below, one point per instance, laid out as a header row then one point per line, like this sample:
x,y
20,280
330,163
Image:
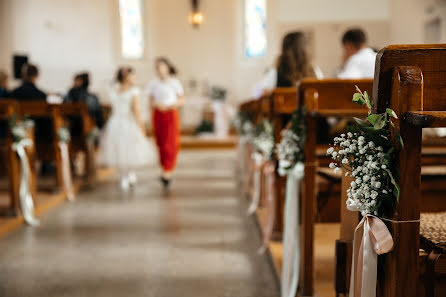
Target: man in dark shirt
x,y
80,93
3,85
28,89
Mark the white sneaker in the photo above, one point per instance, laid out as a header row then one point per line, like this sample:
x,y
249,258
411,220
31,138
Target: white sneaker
x,y
132,178
125,185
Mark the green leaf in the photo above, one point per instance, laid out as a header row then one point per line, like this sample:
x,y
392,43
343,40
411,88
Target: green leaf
x,y
380,121
367,100
357,98
399,139
397,190
391,113
361,122
372,118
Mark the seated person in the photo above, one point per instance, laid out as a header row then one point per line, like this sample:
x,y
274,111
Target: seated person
x,y
29,92
359,59
3,85
3,94
28,89
293,64
79,93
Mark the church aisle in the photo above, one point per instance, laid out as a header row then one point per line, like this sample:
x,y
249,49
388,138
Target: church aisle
x,y
195,241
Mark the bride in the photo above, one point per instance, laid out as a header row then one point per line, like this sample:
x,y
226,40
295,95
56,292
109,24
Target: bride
x,y
124,143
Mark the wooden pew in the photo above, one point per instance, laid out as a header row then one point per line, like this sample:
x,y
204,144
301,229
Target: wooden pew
x,y
46,149
321,98
78,115
8,109
411,80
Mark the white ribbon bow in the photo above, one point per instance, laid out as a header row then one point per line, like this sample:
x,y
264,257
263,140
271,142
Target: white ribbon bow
x,y
26,199
372,238
290,266
66,171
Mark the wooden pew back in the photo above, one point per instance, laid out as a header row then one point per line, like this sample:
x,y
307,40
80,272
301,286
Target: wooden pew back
x,y
410,79
46,151
430,59
332,96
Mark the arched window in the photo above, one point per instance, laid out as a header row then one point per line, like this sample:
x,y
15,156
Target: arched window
x,y
132,40
255,28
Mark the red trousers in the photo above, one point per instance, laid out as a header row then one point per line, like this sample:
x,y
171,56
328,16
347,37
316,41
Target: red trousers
x,y
166,127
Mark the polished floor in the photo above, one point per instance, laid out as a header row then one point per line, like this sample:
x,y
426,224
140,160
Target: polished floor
x,y
195,240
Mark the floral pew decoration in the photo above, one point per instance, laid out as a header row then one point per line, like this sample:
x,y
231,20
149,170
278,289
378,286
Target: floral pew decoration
x,y
64,137
21,141
368,155
245,126
290,154
263,143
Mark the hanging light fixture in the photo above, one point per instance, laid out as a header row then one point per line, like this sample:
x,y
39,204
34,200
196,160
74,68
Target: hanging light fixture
x,y
195,17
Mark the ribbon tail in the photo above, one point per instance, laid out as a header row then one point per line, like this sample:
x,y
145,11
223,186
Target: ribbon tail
x,y
66,172
369,264
357,241
256,194
290,263
26,199
271,204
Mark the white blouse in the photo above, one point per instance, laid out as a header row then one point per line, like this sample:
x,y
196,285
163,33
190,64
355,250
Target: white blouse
x,y
165,91
360,65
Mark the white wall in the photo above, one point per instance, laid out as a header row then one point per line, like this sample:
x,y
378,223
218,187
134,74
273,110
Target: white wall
x,y
410,16
333,10
66,36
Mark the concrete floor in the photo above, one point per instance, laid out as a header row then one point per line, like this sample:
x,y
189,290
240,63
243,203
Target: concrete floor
x,y
194,241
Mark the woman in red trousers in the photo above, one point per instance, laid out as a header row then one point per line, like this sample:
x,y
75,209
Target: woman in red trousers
x,y
166,96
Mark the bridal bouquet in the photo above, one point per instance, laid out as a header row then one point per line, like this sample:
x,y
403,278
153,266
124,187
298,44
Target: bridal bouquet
x,y
263,139
290,150
367,152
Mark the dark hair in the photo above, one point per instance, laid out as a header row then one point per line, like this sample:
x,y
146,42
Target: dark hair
x,y
30,71
294,61
123,72
172,69
355,36
85,78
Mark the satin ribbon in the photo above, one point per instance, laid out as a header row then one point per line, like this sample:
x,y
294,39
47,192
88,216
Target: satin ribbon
x,y
372,238
66,171
248,168
241,156
290,263
257,161
26,199
270,194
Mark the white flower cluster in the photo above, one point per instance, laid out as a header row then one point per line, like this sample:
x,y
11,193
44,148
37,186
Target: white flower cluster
x,y
63,134
264,142
19,130
366,163
288,149
243,125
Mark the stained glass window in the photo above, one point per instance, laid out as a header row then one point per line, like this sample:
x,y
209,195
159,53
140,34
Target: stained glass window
x,y
132,42
255,28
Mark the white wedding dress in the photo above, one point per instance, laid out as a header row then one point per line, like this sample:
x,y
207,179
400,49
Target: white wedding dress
x,y
123,143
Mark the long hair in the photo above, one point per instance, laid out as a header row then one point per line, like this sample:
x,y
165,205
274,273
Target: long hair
x,y
294,62
172,68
